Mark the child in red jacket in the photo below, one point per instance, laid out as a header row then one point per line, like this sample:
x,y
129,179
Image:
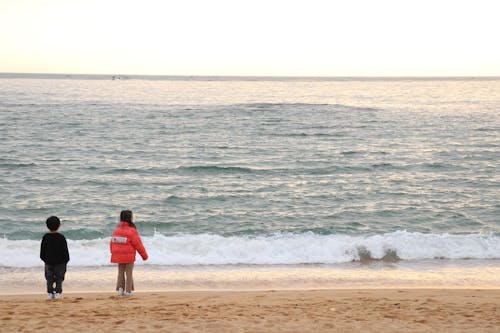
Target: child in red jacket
x,y
124,243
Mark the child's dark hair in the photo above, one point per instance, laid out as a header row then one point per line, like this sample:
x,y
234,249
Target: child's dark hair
x,y
53,223
126,216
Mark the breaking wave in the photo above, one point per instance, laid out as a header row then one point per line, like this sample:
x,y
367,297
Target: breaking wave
x,y
278,249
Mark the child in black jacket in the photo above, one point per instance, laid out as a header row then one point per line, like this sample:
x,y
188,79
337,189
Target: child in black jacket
x,y
54,252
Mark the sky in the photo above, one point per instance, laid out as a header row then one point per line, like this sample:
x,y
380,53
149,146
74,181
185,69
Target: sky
x,y
252,37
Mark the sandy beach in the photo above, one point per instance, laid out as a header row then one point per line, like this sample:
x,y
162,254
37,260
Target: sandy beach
x,y
347,310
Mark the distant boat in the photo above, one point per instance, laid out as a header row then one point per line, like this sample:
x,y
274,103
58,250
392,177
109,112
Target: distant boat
x,y
117,77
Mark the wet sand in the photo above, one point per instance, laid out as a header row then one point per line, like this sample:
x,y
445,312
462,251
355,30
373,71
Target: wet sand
x,y
347,310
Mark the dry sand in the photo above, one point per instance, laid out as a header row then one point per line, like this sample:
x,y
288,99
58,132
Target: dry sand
x,y
386,310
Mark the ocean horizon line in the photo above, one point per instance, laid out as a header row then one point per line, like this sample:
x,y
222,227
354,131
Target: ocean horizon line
x,y
119,76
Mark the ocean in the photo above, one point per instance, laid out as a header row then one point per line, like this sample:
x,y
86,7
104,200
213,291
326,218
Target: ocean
x,y
241,181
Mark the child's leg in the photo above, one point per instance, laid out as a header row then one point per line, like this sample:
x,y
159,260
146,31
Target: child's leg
x,y
129,284
49,276
120,280
59,272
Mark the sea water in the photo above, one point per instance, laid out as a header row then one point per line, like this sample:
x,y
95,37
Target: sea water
x,y
308,179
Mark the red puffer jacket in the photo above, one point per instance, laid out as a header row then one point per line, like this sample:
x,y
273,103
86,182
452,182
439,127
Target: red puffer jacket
x,y
124,243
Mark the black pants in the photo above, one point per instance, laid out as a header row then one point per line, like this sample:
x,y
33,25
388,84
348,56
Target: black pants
x,y
55,274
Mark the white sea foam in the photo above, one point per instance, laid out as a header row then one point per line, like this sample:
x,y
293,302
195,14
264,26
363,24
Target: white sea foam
x,y
278,249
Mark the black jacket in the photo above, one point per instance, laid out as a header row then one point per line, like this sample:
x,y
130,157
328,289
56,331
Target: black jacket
x,y
54,249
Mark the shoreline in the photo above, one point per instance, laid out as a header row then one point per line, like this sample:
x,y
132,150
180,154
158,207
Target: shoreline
x,y
378,275
73,292
41,293
328,310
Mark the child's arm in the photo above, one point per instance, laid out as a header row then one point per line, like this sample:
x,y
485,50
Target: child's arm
x,y
43,249
65,250
137,244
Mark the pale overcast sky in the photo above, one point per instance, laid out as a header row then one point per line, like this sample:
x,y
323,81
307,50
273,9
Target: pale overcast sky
x,y
253,37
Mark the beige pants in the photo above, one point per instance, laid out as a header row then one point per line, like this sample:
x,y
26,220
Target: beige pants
x,y
125,279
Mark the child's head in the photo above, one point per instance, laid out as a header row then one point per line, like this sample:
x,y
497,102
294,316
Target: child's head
x,y
126,216
53,223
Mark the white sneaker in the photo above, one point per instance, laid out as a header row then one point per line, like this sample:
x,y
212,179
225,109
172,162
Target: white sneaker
x,y
127,293
50,296
120,291
58,296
